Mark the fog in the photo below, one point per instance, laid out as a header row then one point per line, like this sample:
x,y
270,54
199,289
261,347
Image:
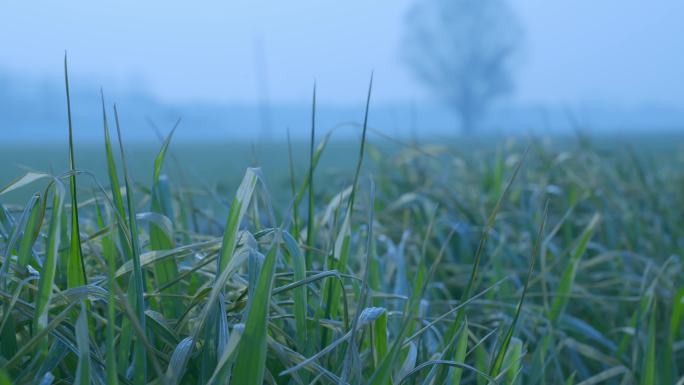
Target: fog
x,y
246,68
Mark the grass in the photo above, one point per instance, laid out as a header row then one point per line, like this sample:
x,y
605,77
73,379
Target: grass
x,y
511,263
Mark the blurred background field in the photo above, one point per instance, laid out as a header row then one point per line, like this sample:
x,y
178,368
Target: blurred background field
x,y
220,164
499,202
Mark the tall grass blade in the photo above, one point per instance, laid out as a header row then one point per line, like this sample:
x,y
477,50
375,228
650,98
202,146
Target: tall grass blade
x,y
503,350
441,370
566,282
293,186
670,367
648,371
343,240
460,353
165,271
137,288
47,275
83,342
76,275
111,164
109,252
238,209
31,231
383,374
300,295
310,212
251,354
379,335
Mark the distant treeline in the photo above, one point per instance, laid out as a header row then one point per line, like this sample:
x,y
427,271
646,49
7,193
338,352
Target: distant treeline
x,y
36,110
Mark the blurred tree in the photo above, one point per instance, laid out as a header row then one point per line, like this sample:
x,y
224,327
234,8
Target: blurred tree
x,y
463,50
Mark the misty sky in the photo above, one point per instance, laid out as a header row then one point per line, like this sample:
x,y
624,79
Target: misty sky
x,y
576,51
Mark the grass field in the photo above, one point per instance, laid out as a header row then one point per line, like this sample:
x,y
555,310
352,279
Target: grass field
x,y
208,164
520,261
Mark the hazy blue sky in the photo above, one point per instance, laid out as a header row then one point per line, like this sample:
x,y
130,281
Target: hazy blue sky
x,y
576,51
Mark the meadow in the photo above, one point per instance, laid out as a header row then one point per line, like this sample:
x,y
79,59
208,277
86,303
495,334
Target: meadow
x,y
527,260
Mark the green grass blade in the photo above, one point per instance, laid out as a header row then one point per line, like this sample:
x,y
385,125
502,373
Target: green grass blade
x,y
379,336
238,209
117,197
497,364
23,180
677,313
441,370
111,165
166,271
4,378
565,285
31,231
47,275
670,365
138,283
293,187
83,342
460,353
648,370
175,372
76,275
481,363
351,368
251,354
318,152
300,294
383,374
38,339
562,297
343,240
513,362
109,252
310,222
487,229
125,339
227,357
